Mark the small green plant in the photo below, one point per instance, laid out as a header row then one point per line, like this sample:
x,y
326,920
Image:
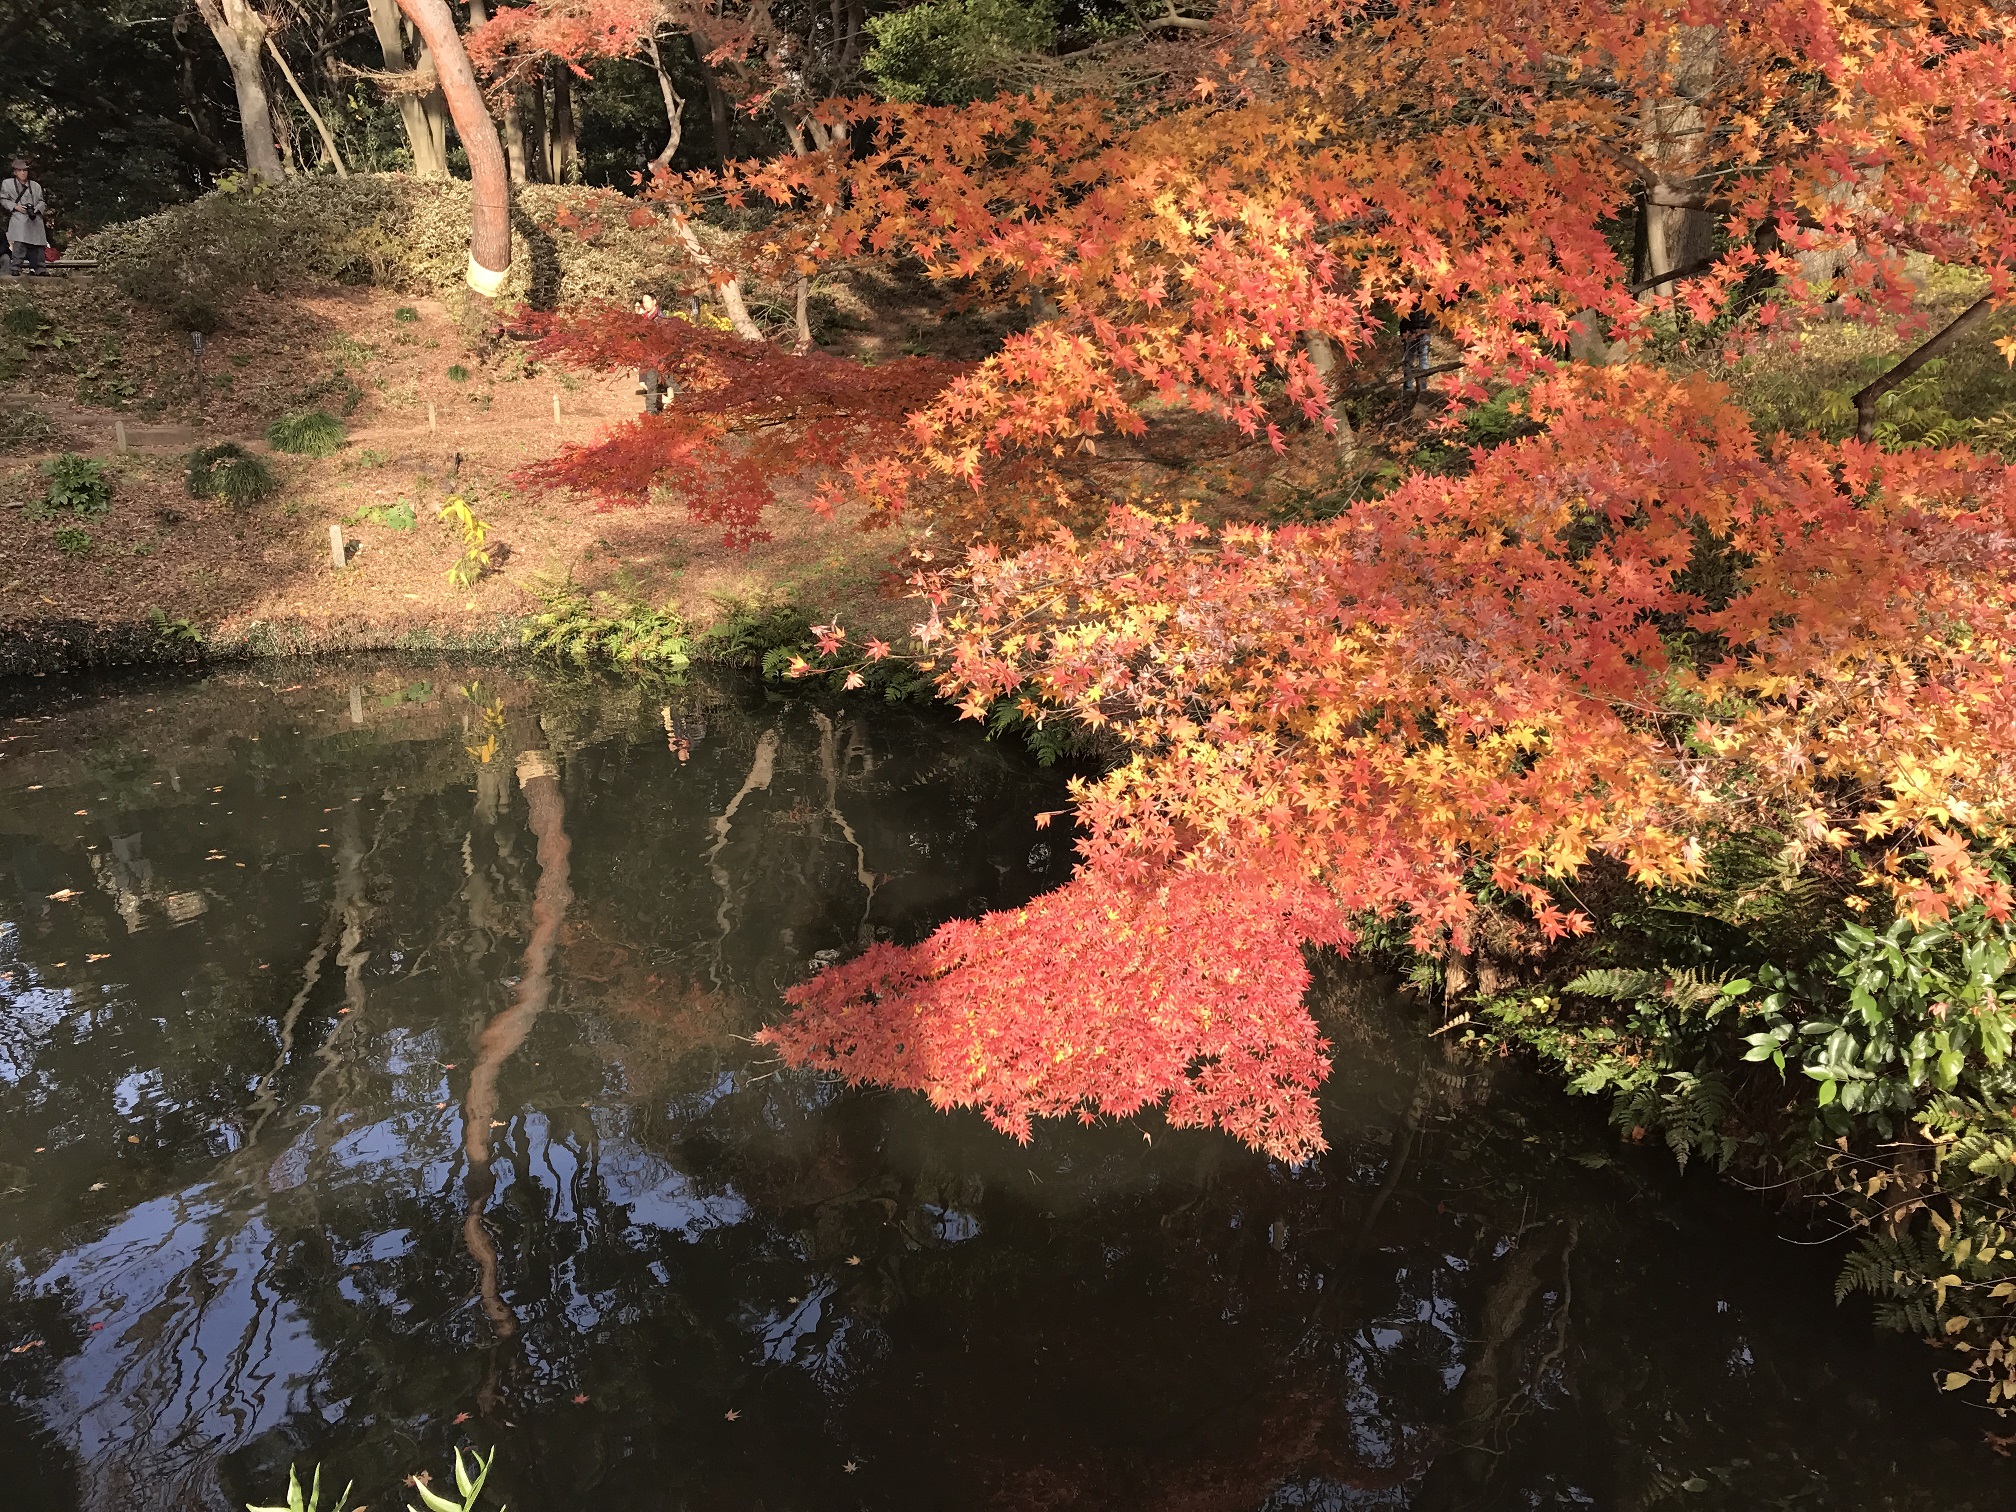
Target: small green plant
x,y
29,430
77,486
392,516
295,1503
23,321
228,471
73,541
607,627
458,373
308,433
471,1486
368,456
178,629
475,558
747,634
405,314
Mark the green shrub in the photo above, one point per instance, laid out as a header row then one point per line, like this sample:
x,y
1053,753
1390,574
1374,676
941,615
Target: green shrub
x,y
405,314
227,471
307,433
73,541
458,373
22,321
77,485
607,627
749,634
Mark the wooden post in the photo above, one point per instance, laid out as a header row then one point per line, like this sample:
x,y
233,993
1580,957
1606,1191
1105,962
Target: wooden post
x,y
338,557
119,435
556,409
433,422
356,704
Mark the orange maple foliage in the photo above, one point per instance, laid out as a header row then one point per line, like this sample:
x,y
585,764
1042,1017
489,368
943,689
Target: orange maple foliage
x,y
1619,639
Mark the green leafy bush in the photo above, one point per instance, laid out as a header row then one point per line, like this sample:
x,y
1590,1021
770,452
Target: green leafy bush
x,y
951,52
227,471
748,634
605,627
21,321
308,433
77,485
73,541
397,516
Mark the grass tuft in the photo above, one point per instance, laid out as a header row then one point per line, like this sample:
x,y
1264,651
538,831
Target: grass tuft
x,y
309,433
227,471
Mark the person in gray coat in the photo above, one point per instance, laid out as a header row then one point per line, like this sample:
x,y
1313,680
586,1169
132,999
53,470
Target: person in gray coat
x,y
21,201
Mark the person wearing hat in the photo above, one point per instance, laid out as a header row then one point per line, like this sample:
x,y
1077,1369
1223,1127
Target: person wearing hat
x,y
21,201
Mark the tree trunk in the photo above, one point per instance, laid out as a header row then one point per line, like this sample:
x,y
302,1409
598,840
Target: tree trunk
x,y
674,106
321,126
566,168
730,291
1678,236
515,145
490,183
241,34
717,107
429,160
1323,357
538,140
283,136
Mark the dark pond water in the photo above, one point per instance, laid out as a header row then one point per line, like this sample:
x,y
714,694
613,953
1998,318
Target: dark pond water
x,y
361,1097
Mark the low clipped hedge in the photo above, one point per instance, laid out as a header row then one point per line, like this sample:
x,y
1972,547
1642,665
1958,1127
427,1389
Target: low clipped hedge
x,y
383,230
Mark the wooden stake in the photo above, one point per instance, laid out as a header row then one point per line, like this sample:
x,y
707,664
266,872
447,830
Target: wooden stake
x,y
338,557
356,704
556,409
119,434
433,423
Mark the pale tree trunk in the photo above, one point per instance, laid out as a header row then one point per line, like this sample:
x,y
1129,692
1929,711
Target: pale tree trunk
x,y
490,183
566,168
674,106
241,34
321,126
1679,236
1323,357
514,138
430,160
730,291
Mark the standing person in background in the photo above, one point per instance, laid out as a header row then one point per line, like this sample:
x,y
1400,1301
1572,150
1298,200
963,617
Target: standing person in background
x,y
22,203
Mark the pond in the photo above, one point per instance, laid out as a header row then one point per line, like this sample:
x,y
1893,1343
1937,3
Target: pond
x,y
377,1076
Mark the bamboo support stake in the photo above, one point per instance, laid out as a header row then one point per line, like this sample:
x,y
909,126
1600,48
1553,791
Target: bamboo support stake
x,y
338,557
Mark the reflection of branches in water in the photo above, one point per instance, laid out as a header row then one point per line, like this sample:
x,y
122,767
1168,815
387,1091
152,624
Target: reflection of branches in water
x,y
761,770
505,1033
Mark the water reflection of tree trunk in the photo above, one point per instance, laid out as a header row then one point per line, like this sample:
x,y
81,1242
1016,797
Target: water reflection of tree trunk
x,y
829,767
761,770
1495,1389
505,1033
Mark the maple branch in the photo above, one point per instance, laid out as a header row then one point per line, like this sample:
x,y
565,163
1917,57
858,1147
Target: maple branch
x,y
1866,400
